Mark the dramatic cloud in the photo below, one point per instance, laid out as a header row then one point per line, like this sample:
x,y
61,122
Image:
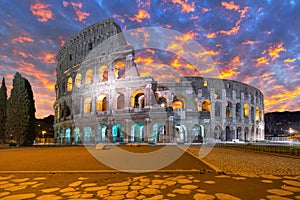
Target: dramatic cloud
x,y
42,11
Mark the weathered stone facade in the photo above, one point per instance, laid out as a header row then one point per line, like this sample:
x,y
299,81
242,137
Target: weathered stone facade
x,y
102,99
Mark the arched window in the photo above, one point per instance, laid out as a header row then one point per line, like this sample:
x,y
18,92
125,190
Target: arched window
x,y
206,105
103,73
228,109
218,107
177,104
70,84
246,110
121,102
257,113
101,103
138,99
78,80
87,105
89,77
119,70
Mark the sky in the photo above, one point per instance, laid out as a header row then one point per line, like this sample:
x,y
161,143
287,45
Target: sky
x,y
252,41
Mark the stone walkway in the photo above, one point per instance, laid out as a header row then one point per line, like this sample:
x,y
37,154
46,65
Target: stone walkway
x,y
236,161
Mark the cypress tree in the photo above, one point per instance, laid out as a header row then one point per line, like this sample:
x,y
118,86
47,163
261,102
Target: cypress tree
x,y
20,112
3,101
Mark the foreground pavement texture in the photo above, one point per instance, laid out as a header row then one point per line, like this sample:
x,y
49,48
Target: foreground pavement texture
x,y
192,179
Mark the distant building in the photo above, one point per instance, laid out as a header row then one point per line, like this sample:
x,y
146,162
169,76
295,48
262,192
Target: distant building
x,y
44,129
100,98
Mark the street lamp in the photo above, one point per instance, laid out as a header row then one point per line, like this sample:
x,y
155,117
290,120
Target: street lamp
x,y
291,131
43,133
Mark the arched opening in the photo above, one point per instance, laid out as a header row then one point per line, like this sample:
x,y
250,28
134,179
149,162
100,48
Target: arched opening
x,y
218,107
118,133
87,105
238,112
70,84
257,113
76,135
158,129
252,113
246,110
121,102
198,133
206,106
101,134
137,132
228,109
101,103
180,133
227,132
138,99
119,70
68,136
177,104
238,133
162,102
103,73
89,77
78,80
217,132
246,133
87,135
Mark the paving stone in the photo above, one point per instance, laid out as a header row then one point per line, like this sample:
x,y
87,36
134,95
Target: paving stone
x,y
297,197
119,184
196,181
223,196
19,180
157,182
280,192
29,183
19,196
2,194
91,189
7,185
238,178
293,183
84,196
201,191
209,182
117,197
16,188
250,175
171,195
6,177
118,188
223,176
75,184
71,194
291,188
189,187
89,185
132,194
182,191
69,189
3,182
170,183
37,185
83,178
48,197
103,193
153,186
184,181
141,197
39,178
157,197
136,187
150,191
271,177
121,192
267,181
275,197
49,190
163,187
200,196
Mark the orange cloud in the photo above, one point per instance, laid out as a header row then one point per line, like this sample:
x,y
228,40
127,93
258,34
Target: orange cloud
x,y
236,28
42,11
142,14
21,53
229,73
262,60
146,60
185,7
275,50
22,39
289,60
48,58
80,15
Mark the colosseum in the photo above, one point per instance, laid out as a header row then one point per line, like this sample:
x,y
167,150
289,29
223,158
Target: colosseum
x,y
101,98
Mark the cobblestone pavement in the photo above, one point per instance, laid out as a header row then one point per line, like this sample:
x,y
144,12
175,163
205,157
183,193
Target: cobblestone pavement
x,y
148,186
236,161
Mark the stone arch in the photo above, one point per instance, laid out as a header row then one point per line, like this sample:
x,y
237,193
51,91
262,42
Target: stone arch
x,y
70,84
119,70
206,105
87,105
227,133
238,111
217,132
157,130
138,99
257,113
68,136
121,101
198,133
246,134
103,73
181,131
87,135
102,103
228,109
101,134
137,132
246,110
238,133
118,133
78,80
76,135
89,77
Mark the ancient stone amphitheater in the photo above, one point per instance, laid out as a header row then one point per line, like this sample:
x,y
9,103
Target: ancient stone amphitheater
x,y
100,98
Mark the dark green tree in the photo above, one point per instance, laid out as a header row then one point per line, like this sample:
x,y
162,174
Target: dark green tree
x,y
3,101
20,112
